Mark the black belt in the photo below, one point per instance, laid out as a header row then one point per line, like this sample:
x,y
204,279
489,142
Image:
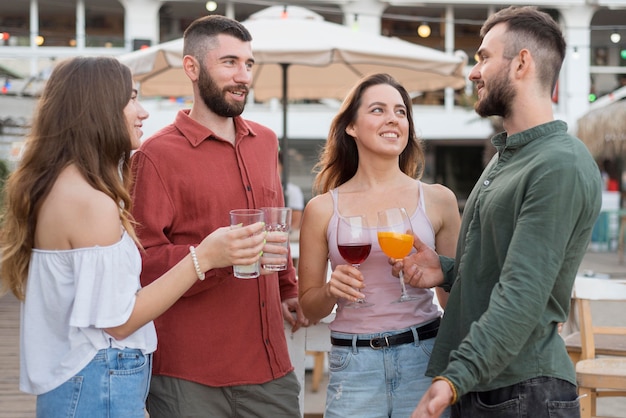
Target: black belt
x,y
424,333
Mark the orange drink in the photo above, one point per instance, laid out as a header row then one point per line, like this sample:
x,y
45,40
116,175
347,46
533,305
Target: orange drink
x,y
395,244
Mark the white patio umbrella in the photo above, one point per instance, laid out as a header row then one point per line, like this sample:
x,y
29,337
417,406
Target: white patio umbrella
x,y
325,59
303,56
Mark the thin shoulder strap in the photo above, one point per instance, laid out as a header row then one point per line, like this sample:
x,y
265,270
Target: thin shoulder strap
x,y
422,199
335,196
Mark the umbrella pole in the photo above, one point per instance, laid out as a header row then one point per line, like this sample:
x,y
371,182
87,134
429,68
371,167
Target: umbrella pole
x,y
283,140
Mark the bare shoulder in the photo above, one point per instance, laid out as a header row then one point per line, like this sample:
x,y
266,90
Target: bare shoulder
x,y
320,204
438,194
75,215
317,212
442,207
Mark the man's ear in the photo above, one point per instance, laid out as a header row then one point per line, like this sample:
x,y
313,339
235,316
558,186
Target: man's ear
x,y
191,66
523,63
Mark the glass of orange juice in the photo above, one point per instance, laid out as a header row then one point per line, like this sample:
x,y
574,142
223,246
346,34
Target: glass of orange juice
x,y
395,237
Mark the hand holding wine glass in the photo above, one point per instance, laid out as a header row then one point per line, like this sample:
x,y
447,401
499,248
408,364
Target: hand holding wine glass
x,y
423,268
354,244
395,236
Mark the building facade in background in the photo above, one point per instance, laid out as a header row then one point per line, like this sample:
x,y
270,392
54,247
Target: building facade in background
x,y
34,34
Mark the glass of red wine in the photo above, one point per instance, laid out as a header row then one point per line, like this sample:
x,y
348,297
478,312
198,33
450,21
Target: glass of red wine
x,y
354,244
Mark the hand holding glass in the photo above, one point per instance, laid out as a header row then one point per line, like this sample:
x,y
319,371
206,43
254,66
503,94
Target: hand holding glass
x,y
354,244
277,224
243,217
395,236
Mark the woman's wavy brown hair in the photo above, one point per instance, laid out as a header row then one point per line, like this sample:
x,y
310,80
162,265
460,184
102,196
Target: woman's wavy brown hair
x,y
339,159
79,120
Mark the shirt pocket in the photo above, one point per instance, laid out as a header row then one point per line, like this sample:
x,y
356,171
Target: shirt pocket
x,y
271,198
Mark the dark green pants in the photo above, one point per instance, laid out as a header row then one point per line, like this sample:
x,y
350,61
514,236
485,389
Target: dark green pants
x,y
176,398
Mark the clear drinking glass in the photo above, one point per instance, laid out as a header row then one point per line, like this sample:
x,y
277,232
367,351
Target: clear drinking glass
x,y
243,217
277,223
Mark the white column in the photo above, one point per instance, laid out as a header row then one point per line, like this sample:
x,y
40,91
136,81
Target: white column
x,y
574,82
34,32
365,14
230,9
141,21
449,45
80,25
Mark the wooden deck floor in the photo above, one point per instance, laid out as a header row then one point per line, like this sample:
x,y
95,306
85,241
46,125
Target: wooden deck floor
x,y
16,404
13,403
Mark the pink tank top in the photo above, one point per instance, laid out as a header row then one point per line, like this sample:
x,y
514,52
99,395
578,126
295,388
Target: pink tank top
x,y
382,287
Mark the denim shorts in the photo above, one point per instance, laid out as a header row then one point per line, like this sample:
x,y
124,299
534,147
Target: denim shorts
x,y
540,397
114,384
388,382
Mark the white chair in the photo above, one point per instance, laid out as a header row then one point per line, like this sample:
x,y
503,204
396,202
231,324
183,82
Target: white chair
x,y
598,376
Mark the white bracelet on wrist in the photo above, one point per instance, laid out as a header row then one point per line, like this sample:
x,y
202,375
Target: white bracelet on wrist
x,y
196,265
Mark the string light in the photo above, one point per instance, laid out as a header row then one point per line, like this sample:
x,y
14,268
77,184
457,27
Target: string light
x,y
284,14
423,30
211,6
575,54
616,37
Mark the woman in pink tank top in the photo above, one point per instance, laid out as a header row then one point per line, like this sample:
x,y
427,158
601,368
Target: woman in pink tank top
x,y
373,161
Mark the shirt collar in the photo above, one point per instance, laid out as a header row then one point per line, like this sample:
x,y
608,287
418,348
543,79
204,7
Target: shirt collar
x,y
195,132
520,139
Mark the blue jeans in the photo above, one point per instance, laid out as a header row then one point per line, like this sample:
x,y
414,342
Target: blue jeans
x,y
368,383
114,384
540,397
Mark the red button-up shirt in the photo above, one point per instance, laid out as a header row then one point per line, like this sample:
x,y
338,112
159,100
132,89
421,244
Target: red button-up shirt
x,y
224,331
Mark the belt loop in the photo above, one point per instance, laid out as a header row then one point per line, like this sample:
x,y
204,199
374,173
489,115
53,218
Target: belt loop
x,y
416,337
355,349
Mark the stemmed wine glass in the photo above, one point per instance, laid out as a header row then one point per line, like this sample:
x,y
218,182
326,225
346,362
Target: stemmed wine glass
x,y
395,236
354,244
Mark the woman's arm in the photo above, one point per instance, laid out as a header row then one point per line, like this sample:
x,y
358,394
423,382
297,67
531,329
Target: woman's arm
x,y
315,299
447,233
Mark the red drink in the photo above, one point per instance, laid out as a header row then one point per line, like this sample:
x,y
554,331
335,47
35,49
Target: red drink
x,y
355,253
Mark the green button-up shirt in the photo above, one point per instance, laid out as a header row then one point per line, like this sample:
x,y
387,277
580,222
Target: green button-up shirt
x,y
525,230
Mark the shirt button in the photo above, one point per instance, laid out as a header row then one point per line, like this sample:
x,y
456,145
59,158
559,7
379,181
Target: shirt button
x,y
486,182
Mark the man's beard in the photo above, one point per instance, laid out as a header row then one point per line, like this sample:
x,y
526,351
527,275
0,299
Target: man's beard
x,y
498,100
214,99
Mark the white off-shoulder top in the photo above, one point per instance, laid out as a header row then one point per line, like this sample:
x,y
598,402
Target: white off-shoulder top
x,y
71,296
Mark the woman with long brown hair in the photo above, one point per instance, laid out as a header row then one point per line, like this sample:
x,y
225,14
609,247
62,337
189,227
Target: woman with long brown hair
x,y
70,253
372,161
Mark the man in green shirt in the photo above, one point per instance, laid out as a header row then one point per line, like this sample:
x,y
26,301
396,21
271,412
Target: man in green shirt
x,y
525,230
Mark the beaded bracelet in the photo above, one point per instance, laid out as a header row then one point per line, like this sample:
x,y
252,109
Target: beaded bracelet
x,y
455,395
196,265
